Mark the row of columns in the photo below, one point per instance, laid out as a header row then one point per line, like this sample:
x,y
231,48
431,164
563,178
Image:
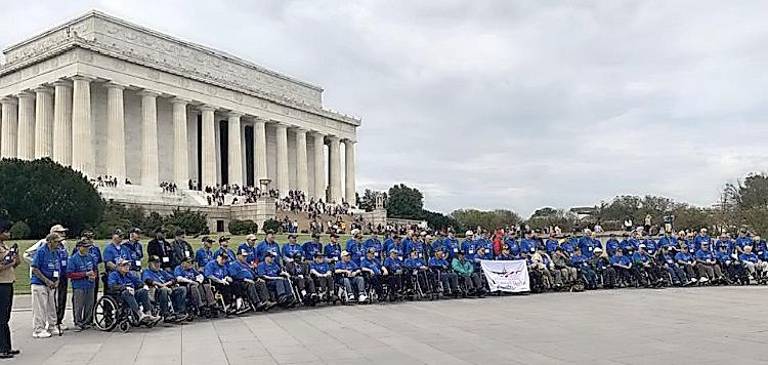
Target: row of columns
x,y
56,122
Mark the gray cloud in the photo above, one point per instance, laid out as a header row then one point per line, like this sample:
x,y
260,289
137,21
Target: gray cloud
x,y
498,104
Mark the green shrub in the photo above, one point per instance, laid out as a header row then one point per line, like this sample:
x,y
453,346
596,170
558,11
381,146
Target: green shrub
x,y
43,193
272,225
193,223
20,230
242,227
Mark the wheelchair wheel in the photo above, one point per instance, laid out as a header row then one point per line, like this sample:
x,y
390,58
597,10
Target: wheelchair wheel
x,y
106,313
124,326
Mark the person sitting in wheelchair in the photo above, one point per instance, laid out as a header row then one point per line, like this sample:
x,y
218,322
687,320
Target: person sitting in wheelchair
x,y
166,291
394,274
465,270
124,284
587,273
199,294
321,272
246,285
216,273
418,271
374,271
276,279
349,276
441,272
299,272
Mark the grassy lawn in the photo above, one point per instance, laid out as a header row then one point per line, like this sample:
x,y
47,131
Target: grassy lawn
x,y
21,286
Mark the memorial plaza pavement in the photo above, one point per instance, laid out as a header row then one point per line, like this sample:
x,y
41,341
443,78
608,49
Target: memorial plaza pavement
x,y
714,325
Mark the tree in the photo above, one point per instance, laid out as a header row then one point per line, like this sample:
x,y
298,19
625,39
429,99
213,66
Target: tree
x,y
753,192
405,202
490,219
367,202
440,221
545,218
42,193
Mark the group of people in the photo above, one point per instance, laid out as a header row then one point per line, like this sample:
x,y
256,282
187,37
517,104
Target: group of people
x,y
179,283
169,187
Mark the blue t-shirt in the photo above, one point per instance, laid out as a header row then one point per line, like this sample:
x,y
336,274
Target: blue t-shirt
x,y
49,264
265,269
81,264
213,269
320,267
113,253
240,270
180,271
129,280
203,256
349,266
393,264
371,264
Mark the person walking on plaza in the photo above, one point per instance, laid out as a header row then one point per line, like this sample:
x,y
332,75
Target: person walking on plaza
x,y
83,272
46,271
10,260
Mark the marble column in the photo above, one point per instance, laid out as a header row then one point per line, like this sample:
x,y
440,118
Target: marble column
x,y
44,122
116,132
82,126
180,153
235,151
302,180
334,154
150,159
62,122
319,190
208,147
259,150
281,136
349,173
10,125
26,143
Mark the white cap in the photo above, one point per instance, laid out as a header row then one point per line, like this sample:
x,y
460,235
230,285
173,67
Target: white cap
x,y
469,233
344,253
355,231
58,228
250,237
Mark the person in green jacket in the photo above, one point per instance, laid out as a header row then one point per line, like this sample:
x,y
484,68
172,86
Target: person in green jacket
x,y
467,275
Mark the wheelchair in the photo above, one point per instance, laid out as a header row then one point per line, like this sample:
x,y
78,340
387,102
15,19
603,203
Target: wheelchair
x,y
110,312
416,290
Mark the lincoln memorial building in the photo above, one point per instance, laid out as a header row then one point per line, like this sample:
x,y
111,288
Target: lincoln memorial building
x,y
110,98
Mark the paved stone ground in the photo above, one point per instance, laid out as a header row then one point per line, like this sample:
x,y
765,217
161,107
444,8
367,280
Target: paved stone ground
x,y
675,326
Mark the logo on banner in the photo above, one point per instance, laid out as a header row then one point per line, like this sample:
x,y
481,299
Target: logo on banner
x,y
508,276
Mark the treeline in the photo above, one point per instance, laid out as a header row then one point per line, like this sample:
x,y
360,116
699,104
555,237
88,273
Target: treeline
x,y
744,204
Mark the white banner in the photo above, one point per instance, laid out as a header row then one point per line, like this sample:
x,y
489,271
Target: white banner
x,y
508,276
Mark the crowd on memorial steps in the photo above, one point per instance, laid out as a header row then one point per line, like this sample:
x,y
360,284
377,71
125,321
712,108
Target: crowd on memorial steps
x,y
223,278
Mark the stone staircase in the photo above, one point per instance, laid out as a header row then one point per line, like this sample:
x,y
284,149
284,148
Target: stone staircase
x,y
149,195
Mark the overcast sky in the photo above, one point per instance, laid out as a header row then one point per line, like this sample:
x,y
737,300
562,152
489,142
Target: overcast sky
x,y
504,104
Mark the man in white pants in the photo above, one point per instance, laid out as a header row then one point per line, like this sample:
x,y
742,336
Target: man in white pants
x,y
46,272
61,299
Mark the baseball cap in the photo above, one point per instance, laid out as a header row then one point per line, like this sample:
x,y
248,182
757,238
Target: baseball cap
x,y
250,237
121,262
83,244
344,253
153,258
223,239
58,228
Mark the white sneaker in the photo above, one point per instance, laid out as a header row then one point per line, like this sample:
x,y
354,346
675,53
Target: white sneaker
x,y
751,277
350,297
694,280
41,334
56,331
362,298
703,280
63,327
